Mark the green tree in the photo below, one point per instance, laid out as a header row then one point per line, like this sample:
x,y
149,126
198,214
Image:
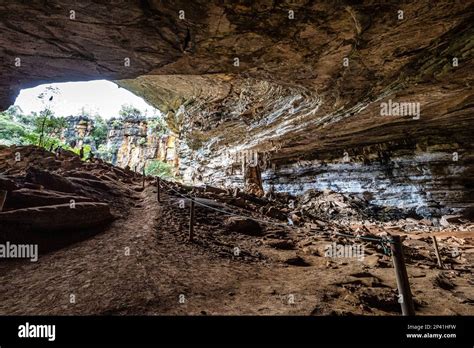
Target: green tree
x,y
11,132
159,168
158,125
129,111
99,131
46,97
47,125
16,128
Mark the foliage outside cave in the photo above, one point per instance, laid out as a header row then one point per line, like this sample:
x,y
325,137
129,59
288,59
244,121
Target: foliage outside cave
x,y
50,131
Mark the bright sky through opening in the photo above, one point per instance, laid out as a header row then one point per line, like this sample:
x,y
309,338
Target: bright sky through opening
x,y
100,96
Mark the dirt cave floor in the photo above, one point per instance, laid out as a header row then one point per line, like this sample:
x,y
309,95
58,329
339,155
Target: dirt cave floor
x,y
161,266
144,264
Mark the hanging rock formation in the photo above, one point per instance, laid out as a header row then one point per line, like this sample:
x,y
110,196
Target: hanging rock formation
x,y
305,84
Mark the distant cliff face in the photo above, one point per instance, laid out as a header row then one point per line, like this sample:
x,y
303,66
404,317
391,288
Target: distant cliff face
x,y
130,142
78,131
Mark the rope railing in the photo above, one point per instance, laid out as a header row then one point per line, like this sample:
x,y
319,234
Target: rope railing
x,y
372,239
395,248
223,211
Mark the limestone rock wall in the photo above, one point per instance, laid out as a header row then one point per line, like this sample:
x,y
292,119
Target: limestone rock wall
x,y
430,177
130,142
133,143
78,131
429,180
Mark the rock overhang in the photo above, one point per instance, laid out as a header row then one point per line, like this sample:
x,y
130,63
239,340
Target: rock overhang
x,y
301,81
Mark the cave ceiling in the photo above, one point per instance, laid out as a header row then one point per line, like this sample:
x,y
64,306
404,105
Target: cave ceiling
x,y
299,76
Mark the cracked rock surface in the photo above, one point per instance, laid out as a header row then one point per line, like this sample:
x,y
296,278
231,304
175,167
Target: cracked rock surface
x,y
248,76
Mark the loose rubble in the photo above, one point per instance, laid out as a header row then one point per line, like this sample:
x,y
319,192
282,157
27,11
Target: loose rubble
x,y
274,245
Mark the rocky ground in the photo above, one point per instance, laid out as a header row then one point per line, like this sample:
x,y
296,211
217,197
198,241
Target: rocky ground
x,y
120,251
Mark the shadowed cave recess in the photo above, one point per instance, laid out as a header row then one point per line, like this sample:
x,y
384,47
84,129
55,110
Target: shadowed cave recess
x,y
291,99
305,112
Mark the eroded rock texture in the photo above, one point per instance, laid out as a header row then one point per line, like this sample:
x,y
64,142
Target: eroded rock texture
x,y
78,131
133,143
55,199
301,83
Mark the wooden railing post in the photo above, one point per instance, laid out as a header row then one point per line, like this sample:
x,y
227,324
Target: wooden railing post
x,y
438,256
3,198
406,300
191,221
158,185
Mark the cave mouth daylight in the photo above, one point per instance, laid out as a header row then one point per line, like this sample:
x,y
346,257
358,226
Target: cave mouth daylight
x,y
236,158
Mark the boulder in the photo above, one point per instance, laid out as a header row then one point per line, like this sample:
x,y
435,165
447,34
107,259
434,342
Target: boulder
x,y
216,190
49,180
296,261
54,217
447,220
25,198
243,225
276,214
53,227
7,184
282,244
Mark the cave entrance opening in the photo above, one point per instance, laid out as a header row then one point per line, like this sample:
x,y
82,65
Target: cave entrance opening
x,y
94,119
